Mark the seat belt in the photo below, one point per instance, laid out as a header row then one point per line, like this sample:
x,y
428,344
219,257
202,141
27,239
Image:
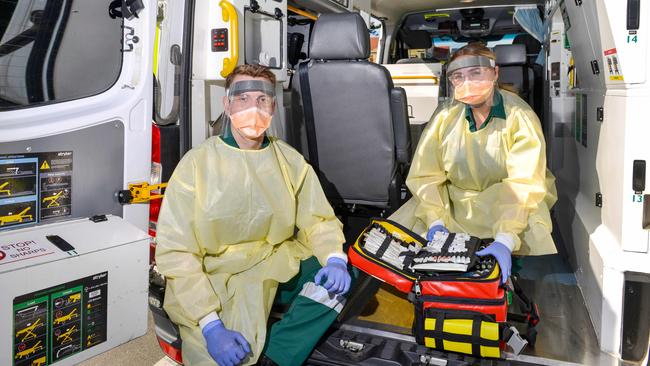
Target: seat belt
x,y
529,312
308,113
526,84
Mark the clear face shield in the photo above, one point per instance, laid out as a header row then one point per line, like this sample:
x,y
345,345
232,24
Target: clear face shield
x,y
251,104
472,80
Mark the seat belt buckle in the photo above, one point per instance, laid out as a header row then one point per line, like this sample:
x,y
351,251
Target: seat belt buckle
x,y
516,342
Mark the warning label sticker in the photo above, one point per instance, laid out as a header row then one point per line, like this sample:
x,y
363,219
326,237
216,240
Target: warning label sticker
x,y
613,66
15,252
35,187
60,321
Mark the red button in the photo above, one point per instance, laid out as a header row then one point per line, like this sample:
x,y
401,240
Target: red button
x,y
215,36
222,36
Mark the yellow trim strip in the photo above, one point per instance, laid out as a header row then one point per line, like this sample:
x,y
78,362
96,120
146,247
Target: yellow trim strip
x,y
156,46
229,14
305,14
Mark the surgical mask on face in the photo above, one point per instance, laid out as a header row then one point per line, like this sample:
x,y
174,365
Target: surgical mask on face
x,y
251,122
474,92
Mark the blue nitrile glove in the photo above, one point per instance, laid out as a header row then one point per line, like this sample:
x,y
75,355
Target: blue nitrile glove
x,y
433,229
227,347
338,278
503,256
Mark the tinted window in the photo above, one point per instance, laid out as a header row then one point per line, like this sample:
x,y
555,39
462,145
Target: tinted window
x,y
453,45
56,50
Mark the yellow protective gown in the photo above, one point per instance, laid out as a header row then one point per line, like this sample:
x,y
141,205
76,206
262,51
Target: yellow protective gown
x,y
486,182
226,237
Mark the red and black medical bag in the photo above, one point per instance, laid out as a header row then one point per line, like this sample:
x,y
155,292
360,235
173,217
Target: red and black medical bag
x,y
465,312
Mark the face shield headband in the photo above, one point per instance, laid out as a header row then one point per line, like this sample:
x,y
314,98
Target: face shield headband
x,y
469,61
251,85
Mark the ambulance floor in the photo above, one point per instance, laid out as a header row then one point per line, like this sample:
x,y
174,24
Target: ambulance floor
x,y
565,334
389,307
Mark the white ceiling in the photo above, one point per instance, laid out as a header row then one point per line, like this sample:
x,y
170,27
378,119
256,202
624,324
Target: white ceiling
x,y
394,9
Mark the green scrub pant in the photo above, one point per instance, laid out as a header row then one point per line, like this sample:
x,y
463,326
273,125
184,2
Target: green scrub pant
x,y
292,339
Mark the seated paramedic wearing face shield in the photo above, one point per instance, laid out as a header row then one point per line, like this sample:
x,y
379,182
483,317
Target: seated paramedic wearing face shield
x,y
480,166
245,221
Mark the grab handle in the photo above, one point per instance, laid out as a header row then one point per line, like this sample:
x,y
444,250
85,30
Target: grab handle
x,y
229,14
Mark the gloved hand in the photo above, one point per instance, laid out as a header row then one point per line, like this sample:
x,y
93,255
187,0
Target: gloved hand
x,y
503,256
338,278
227,347
433,229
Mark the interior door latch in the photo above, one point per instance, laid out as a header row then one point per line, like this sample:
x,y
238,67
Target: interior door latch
x,y
141,193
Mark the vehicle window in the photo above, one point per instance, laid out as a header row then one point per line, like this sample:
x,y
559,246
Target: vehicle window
x,y
452,45
54,51
376,30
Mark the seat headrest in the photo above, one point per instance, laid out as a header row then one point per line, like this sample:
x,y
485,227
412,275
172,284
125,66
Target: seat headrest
x,y
416,38
532,45
510,54
340,37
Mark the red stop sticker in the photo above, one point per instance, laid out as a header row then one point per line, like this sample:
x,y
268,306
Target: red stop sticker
x,y
2,255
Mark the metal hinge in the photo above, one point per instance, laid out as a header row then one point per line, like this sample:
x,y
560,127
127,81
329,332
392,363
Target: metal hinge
x,y
599,199
429,360
161,11
351,346
594,67
578,2
127,9
140,193
600,114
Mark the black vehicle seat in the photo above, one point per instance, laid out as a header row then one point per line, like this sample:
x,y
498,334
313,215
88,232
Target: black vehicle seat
x,y
533,48
360,142
515,71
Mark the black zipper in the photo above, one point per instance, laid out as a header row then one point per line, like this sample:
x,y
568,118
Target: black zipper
x,y
463,314
462,300
459,279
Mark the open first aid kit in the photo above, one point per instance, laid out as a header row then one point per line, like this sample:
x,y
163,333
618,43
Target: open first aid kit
x,y
459,302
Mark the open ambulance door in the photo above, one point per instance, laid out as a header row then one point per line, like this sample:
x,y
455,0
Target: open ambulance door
x,y
75,129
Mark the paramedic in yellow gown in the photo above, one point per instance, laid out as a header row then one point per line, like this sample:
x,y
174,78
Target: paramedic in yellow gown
x,y
480,166
243,215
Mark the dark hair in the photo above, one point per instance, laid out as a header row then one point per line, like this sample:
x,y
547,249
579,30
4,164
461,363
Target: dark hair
x,y
255,71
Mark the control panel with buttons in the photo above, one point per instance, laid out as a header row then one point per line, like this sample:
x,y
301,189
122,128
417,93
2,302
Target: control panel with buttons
x,y
219,40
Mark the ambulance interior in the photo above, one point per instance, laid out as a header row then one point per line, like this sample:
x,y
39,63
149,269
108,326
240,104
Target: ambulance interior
x,y
368,117
581,65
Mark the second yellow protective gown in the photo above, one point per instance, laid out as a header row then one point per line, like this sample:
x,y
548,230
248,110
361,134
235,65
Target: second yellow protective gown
x,y
227,236
490,181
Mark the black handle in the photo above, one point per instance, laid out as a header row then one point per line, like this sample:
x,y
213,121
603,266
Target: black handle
x,y
638,176
633,14
60,243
